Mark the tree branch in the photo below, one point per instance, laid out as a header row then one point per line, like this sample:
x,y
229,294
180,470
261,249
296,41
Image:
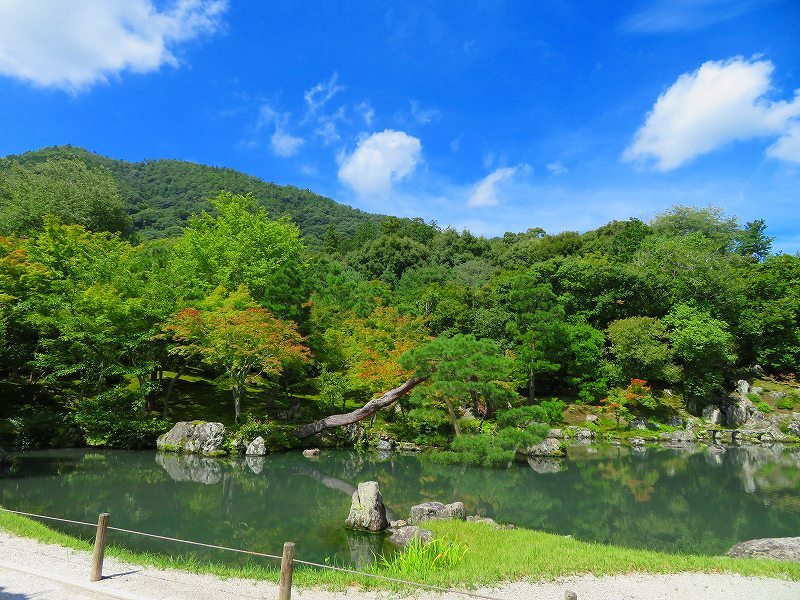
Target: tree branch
x,y
369,409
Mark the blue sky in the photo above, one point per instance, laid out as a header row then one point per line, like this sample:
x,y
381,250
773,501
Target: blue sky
x,y
494,116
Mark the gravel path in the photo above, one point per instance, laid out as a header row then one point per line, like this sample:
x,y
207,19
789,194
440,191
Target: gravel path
x,y
29,569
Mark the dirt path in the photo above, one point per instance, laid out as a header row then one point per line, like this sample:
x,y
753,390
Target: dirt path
x,y
31,570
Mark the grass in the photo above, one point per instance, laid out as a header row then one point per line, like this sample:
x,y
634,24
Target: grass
x,y
486,556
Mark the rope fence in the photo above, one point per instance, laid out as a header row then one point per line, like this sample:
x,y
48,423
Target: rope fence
x,y
287,558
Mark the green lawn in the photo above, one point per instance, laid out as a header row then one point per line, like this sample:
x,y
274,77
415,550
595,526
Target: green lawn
x,y
493,556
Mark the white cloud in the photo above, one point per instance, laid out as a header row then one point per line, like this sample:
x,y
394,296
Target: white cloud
x,y
282,142
318,96
424,115
556,168
486,191
73,45
367,112
455,145
663,16
721,102
380,160
788,146
285,144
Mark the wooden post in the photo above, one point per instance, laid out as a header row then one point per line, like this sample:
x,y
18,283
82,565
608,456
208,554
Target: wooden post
x,y
287,564
99,547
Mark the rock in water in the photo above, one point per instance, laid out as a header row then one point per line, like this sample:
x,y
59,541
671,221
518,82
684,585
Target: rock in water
x,y
403,536
367,510
786,548
436,511
195,437
547,447
311,453
257,447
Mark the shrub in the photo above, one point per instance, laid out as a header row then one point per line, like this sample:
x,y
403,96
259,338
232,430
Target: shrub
x,y
276,436
763,406
114,419
786,403
418,559
550,412
488,450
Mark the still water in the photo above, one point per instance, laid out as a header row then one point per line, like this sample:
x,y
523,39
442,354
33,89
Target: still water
x,y
680,501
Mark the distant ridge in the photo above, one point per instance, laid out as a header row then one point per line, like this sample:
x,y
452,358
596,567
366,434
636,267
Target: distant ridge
x,y
160,195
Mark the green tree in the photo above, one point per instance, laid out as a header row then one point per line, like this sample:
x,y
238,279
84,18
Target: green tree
x,y
641,350
243,340
753,241
462,371
241,245
704,347
63,188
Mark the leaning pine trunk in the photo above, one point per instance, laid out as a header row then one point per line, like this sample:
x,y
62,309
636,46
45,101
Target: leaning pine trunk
x,y
369,409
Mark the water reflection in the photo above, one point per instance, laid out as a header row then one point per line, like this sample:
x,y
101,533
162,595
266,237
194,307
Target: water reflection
x,y
681,499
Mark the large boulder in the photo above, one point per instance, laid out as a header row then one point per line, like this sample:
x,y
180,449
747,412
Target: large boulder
x,y
195,437
738,412
257,447
638,423
786,548
402,537
677,438
367,510
436,511
712,415
547,447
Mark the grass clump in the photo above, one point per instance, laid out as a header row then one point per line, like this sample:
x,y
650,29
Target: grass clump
x,y
419,559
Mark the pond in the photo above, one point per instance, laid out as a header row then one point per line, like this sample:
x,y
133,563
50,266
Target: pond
x,y
670,500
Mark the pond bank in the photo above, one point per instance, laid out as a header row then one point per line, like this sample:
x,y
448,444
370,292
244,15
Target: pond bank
x,y
131,580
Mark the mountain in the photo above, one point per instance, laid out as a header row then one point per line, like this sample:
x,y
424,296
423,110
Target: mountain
x,y
160,195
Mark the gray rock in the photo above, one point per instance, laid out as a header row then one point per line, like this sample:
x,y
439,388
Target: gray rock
x,y
193,438
742,388
738,412
638,423
712,415
794,428
676,421
637,441
311,453
403,536
547,447
786,548
256,447
409,447
436,511
485,520
581,433
556,434
398,524
591,418
716,449
367,510
385,444
677,438
777,395
757,390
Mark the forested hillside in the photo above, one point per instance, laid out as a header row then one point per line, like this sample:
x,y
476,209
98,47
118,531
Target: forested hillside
x,y
160,195
494,336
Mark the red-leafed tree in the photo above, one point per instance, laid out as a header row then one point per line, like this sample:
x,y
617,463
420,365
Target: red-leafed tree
x,y
247,342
